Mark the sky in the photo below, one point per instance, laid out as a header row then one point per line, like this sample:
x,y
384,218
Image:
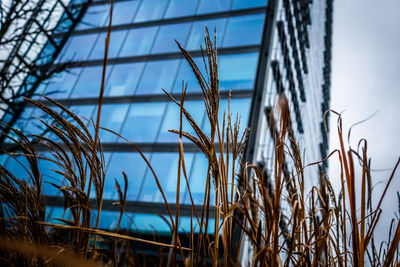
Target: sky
x,y
365,80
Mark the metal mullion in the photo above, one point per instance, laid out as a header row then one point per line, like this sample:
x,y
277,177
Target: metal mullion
x,y
163,56
133,206
150,147
159,22
236,94
99,3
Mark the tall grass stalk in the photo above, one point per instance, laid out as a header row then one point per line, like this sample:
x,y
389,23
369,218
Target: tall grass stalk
x,y
280,223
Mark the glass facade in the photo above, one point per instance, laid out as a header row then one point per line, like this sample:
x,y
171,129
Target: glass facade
x,y
299,45
258,59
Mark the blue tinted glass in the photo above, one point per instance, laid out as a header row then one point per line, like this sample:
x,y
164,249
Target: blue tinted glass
x,y
249,26
116,39
18,166
237,71
47,168
61,84
19,125
211,6
166,168
148,116
34,126
239,4
198,32
165,41
84,113
40,89
95,16
184,224
157,75
240,107
124,12
133,165
112,117
138,42
151,10
198,179
78,48
150,223
3,159
180,8
186,74
46,54
172,120
108,219
53,213
89,83
123,79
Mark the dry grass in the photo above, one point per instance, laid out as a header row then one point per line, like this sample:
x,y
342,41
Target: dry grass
x,y
316,230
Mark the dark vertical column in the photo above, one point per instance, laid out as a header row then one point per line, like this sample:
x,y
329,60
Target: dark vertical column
x,y
255,111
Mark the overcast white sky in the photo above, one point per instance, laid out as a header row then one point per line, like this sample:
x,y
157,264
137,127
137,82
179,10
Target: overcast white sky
x,y
365,79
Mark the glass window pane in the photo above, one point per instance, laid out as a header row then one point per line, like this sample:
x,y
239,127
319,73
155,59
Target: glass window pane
x,y
184,224
198,179
3,159
53,213
133,165
116,39
148,116
89,83
138,42
18,166
212,6
237,71
123,79
95,16
84,113
171,121
112,117
34,126
249,26
78,48
198,32
180,8
149,223
186,74
61,84
165,41
151,10
240,107
158,75
241,4
124,12
166,168
47,168
24,119
108,219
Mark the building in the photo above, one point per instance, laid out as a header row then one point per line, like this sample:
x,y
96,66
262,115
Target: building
x,y
265,48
